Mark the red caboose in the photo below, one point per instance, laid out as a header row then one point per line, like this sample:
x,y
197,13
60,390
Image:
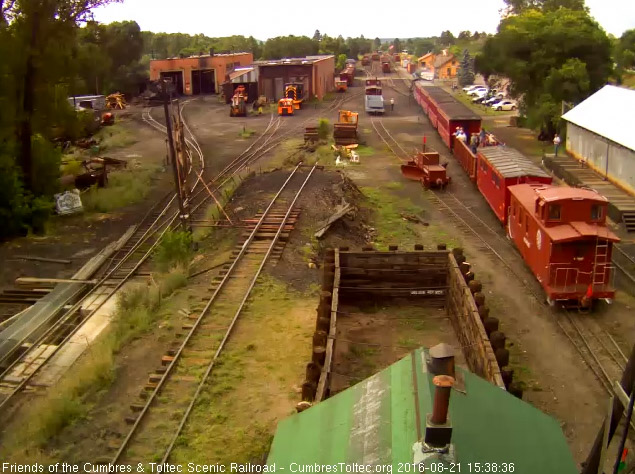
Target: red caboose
x,y
500,167
562,235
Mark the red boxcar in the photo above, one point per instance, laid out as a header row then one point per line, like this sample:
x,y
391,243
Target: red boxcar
x,y
500,167
466,158
445,112
562,235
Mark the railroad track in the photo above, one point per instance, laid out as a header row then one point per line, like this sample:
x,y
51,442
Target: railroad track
x,y
624,263
176,391
598,349
20,370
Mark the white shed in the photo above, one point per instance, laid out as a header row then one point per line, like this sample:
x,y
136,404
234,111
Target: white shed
x,y
601,131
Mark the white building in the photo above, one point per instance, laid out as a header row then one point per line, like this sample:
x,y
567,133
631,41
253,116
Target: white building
x,y
601,131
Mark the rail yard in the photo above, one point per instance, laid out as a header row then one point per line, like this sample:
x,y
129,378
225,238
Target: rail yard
x,y
312,273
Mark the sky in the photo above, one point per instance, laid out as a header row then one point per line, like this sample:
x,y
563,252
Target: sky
x,y
264,19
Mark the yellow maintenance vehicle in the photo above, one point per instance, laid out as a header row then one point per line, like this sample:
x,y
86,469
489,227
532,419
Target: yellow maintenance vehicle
x,y
295,92
345,130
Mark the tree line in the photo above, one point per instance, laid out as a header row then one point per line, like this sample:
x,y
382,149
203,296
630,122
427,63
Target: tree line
x,y
553,51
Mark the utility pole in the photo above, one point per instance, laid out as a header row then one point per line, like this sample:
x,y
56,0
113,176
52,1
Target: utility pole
x,y
178,184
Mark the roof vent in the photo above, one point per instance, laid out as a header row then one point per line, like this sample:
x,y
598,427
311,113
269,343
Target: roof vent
x,y
438,426
441,360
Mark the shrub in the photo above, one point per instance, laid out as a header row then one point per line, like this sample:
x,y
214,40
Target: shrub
x,y
174,250
324,128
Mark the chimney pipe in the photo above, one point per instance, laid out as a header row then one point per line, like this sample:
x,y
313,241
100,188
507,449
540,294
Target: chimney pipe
x,y
441,360
443,384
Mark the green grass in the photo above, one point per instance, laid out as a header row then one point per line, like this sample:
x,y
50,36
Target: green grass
x,y
257,372
246,133
393,229
115,136
124,188
72,167
364,150
137,311
479,109
174,250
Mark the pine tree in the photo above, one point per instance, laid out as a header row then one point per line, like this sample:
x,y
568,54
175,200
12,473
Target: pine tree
x,y
466,70
317,36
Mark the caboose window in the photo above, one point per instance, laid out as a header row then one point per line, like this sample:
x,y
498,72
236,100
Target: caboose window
x,y
554,212
496,180
596,212
526,224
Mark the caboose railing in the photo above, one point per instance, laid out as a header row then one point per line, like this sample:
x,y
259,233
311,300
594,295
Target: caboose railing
x,y
567,279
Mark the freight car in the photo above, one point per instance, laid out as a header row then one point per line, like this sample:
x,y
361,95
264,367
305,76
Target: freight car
x,y
501,167
385,66
562,235
519,193
445,113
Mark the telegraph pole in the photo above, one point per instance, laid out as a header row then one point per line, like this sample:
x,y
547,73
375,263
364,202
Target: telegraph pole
x,y
183,214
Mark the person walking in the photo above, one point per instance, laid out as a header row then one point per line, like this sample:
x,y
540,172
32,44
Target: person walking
x,y
392,104
482,137
556,144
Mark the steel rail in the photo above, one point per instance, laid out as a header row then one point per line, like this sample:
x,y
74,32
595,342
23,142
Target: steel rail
x,y
602,374
200,317
235,318
53,330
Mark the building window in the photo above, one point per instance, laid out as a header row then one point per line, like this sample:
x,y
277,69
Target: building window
x,y
514,210
449,71
596,212
554,212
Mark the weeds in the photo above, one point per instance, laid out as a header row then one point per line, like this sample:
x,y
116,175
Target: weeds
x,y
137,309
246,133
115,136
174,250
124,188
324,129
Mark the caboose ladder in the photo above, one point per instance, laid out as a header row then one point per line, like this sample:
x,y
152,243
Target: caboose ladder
x,y
601,255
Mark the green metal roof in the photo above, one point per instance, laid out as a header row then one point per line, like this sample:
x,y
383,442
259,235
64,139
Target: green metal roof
x,y
376,422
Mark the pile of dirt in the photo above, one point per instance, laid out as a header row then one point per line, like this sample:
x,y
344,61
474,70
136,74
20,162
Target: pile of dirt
x,y
324,192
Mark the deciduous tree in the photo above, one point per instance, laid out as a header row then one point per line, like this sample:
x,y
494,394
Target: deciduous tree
x,y
549,56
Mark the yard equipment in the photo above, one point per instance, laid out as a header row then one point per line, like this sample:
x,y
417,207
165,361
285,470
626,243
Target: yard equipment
x,y
294,91
285,107
425,168
116,101
341,85
238,105
345,130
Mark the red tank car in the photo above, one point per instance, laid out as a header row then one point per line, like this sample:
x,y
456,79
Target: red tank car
x,y
562,235
500,167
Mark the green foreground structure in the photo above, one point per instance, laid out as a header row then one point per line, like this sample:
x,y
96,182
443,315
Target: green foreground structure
x,y
378,426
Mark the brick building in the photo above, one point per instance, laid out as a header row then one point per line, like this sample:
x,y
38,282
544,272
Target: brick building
x,y
316,73
202,74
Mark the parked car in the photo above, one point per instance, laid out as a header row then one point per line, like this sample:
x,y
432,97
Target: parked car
x,y
493,99
479,97
504,105
478,90
472,87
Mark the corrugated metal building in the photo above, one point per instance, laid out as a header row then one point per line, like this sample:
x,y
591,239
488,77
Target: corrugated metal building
x,y
243,76
378,426
316,73
202,74
600,131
